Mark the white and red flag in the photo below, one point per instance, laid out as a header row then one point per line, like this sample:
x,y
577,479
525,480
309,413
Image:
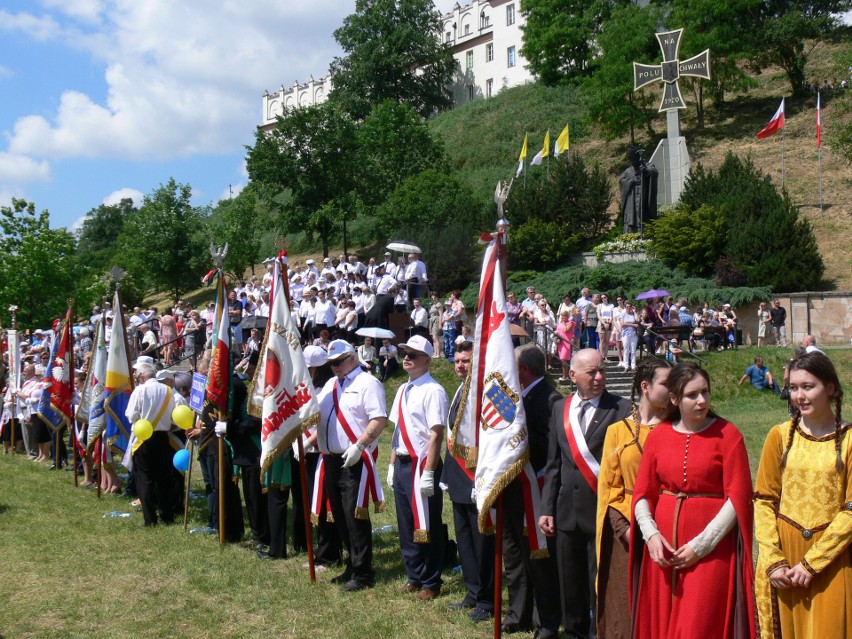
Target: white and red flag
x,y
56,403
282,393
775,124
491,434
819,123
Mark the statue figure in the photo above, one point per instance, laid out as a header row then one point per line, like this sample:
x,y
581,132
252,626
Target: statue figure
x,y
638,192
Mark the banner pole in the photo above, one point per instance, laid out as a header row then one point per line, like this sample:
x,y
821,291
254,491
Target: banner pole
x,y
188,481
782,157
74,454
820,182
101,469
303,475
221,489
498,569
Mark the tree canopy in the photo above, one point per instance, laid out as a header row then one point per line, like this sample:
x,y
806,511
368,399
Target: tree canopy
x,y
392,52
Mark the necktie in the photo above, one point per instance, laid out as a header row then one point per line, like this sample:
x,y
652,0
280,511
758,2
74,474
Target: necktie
x,y
581,418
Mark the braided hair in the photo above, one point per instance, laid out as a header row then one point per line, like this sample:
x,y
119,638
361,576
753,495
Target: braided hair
x,y
818,365
646,371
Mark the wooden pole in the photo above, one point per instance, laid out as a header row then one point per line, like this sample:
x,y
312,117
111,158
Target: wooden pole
x,y
74,454
188,480
221,490
57,441
498,568
100,443
306,508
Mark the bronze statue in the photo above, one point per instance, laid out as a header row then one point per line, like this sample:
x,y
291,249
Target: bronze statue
x,y
638,186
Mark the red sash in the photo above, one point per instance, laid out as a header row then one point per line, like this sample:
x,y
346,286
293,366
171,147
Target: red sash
x,y
587,464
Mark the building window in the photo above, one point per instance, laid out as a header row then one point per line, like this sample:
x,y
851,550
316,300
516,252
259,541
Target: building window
x,y
470,93
489,52
469,60
448,36
484,21
510,14
489,88
467,29
511,59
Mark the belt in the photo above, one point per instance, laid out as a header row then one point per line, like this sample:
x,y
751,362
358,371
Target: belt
x,y
688,495
403,459
807,533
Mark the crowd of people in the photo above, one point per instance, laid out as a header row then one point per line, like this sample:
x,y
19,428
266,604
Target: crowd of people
x,y
647,503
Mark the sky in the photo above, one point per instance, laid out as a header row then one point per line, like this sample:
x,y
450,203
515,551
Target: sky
x,y
104,99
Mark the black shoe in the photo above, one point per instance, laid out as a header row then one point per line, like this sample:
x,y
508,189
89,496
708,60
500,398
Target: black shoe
x,y
479,614
264,554
462,605
510,627
342,578
544,633
353,586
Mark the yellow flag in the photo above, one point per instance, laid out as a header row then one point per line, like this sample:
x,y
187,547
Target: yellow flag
x,y
545,150
523,150
562,142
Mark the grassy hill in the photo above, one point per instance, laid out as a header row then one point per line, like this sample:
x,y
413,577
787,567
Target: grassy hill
x,y
483,140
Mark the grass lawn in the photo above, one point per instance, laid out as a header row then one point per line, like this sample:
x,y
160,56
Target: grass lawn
x,y
68,572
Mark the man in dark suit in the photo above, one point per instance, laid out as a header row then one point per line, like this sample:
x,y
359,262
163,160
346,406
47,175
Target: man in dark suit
x,y
569,499
475,549
530,580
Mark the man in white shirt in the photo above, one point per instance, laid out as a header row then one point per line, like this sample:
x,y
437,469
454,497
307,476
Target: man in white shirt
x,y
152,458
390,267
415,276
420,414
419,319
327,268
386,281
353,414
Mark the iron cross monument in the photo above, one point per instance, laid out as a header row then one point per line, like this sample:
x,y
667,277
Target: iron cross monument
x,y
671,157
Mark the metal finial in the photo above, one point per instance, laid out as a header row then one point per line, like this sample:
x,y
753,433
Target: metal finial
x,y
218,254
117,274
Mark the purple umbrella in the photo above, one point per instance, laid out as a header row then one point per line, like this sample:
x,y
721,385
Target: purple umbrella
x,y
654,292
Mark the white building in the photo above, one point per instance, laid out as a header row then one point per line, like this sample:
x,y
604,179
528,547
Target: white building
x,y
486,39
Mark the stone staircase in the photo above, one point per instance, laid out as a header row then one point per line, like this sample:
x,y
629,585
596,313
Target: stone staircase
x,y
618,381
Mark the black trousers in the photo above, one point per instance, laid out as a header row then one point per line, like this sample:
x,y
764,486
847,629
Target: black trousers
x,y
341,486
277,506
234,526
530,582
256,503
152,465
15,424
423,562
476,552
575,555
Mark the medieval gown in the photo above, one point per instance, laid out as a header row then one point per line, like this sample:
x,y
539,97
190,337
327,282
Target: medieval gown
x,y
686,478
803,513
622,453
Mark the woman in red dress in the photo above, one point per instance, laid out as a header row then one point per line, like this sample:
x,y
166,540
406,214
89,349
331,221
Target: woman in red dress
x,y
691,536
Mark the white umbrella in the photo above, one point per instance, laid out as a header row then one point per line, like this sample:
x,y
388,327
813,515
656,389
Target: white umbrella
x,y
405,247
375,332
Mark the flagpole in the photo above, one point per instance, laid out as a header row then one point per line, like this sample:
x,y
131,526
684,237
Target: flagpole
x,y
305,507
13,374
782,157
188,481
101,469
820,182
498,568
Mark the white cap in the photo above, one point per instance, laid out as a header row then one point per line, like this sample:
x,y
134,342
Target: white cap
x,y
165,374
310,262
417,343
143,360
726,305
387,252
326,260
338,349
314,356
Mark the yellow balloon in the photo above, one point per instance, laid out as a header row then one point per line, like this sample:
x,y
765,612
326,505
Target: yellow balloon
x,y
143,429
183,417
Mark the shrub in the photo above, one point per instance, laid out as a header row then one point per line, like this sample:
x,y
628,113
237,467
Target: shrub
x,y
689,239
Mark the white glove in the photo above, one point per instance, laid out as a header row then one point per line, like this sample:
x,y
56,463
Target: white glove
x,y
221,429
390,476
352,454
295,451
427,483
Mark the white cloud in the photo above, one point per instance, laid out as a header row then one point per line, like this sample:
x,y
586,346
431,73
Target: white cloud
x,y
117,196
21,169
182,78
77,224
231,191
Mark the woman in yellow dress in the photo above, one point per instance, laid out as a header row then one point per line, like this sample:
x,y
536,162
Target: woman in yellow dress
x,y
622,453
803,512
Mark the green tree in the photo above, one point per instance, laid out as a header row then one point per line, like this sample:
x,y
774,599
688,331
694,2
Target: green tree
x,y
791,29
306,166
392,52
625,38
36,264
394,144
559,36
689,240
164,247
237,223
766,239
98,236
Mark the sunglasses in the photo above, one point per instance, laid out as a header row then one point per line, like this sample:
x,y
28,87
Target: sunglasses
x,y
338,362
412,355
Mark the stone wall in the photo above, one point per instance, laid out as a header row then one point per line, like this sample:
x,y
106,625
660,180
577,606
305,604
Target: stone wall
x,y
590,259
825,315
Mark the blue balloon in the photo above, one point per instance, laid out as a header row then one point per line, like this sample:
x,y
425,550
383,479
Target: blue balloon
x,y
181,460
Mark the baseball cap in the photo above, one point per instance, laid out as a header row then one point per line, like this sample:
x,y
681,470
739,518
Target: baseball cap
x,y
165,374
144,360
417,343
310,262
338,349
314,356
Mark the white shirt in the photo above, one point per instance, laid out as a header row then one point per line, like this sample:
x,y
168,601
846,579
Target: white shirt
x,y
361,400
146,401
416,269
574,413
427,408
325,312
420,316
385,284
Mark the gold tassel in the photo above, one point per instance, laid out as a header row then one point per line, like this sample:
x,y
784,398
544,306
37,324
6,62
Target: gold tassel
x,y
362,513
329,517
421,537
314,519
381,506
542,553
504,480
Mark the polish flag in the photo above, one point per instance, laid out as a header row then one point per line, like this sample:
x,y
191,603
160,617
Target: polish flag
x,y
775,124
819,123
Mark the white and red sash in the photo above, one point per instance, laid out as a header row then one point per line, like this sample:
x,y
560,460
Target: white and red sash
x,y
319,498
586,462
371,484
531,485
419,506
